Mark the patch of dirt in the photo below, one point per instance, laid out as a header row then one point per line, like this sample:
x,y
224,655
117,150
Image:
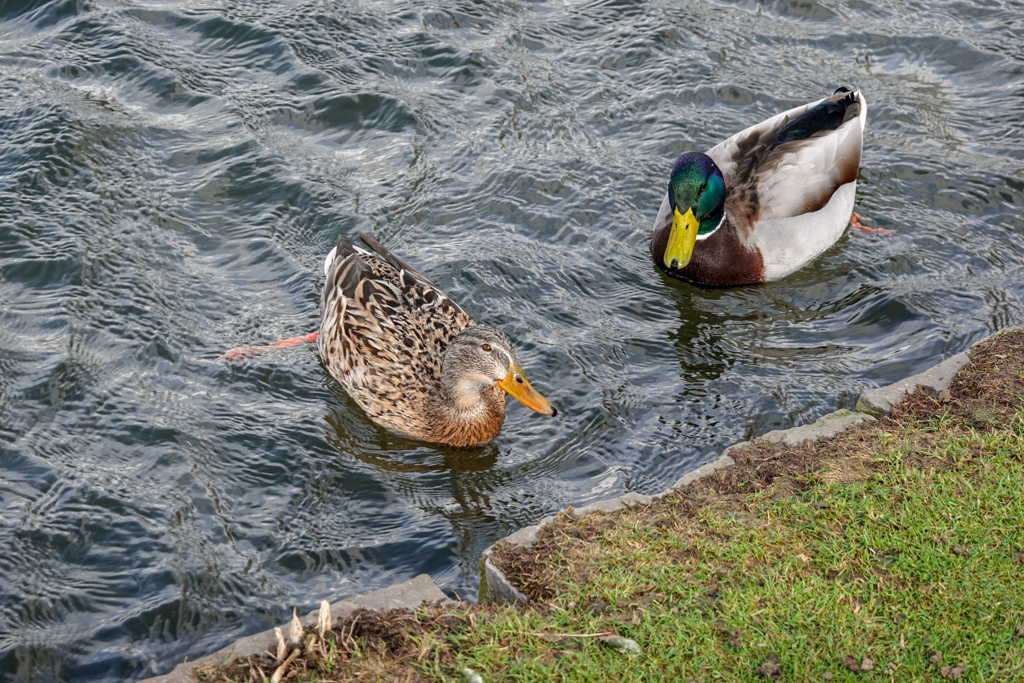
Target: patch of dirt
x,y
953,673
389,644
984,392
732,635
770,667
851,663
529,565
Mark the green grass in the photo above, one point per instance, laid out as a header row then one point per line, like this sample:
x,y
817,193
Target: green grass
x,y
922,556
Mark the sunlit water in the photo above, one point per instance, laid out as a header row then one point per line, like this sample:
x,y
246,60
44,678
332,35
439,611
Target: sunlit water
x,y
172,173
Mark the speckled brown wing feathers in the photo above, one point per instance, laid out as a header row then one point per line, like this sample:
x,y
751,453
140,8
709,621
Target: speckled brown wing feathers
x,y
384,329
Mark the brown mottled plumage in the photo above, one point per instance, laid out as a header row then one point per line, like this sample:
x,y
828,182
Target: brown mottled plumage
x,y
410,356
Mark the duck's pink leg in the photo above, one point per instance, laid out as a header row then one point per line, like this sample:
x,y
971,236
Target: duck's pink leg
x,y
881,232
247,351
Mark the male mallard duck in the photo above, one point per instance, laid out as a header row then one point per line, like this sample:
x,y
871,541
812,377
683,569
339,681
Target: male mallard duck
x,y
410,356
766,201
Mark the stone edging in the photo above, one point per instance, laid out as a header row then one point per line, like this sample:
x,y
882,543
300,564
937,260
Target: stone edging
x,y
872,404
879,402
408,594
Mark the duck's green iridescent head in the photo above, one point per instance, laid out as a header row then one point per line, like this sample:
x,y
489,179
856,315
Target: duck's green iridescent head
x,y
696,195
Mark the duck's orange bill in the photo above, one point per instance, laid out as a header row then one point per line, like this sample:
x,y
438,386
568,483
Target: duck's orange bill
x,y
518,387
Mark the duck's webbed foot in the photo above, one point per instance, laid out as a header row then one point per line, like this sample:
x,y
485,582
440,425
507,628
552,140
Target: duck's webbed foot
x,y
867,230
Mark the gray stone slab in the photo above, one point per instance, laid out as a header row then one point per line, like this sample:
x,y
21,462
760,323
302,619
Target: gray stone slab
x,y
408,594
606,505
879,402
525,536
613,504
703,471
823,428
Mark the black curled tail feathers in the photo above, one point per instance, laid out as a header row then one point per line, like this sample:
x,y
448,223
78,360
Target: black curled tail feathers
x,y
828,115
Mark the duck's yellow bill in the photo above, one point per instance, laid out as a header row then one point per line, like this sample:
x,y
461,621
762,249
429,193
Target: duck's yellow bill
x,y
679,249
517,386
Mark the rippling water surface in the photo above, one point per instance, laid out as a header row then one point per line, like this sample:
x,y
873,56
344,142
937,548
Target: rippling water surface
x,y
173,171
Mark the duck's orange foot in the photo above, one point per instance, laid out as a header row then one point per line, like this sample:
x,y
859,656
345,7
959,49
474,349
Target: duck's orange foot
x,y
249,351
881,232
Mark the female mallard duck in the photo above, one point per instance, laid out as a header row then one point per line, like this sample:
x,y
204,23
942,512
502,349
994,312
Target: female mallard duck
x,y
410,356
765,202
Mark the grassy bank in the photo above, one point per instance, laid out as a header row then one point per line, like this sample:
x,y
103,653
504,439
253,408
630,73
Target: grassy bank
x,y
893,552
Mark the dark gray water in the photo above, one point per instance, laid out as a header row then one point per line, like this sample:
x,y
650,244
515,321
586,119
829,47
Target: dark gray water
x,y
172,173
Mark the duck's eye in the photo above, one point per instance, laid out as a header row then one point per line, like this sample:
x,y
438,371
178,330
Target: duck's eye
x,y
519,379
486,347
